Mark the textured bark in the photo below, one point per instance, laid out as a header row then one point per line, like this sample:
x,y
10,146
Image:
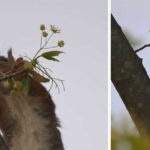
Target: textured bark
x,y
2,144
130,79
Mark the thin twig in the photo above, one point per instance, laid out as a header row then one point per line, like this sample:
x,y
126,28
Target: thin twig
x,y
147,45
5,77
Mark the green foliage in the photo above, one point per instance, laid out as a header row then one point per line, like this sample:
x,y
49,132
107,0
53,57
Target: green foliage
x,y
50,55
26,84
125,139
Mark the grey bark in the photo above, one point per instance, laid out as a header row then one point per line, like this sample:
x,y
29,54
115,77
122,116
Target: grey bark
x,y
130,79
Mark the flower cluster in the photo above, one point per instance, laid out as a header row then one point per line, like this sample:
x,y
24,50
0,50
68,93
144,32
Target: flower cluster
x,y
61,43
32,68
53,29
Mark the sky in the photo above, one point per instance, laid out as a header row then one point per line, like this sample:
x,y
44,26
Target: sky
x,y
82,107
134,17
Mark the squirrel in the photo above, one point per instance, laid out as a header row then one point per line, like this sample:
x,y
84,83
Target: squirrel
x,y
28,122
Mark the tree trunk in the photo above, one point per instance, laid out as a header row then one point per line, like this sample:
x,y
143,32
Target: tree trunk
x,y
130,79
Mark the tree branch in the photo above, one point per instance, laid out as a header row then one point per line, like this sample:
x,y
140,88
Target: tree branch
x,y
141,48
130,79
11,75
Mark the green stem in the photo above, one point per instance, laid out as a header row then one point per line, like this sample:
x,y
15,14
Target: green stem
x,y
43,70
41,41
47,40
51,47
42,46
53,79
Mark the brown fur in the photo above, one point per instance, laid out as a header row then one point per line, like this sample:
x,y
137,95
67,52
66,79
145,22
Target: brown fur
x,y
28,122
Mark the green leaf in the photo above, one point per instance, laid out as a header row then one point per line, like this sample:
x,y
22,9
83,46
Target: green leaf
x,y
26,84
53,59
50,55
